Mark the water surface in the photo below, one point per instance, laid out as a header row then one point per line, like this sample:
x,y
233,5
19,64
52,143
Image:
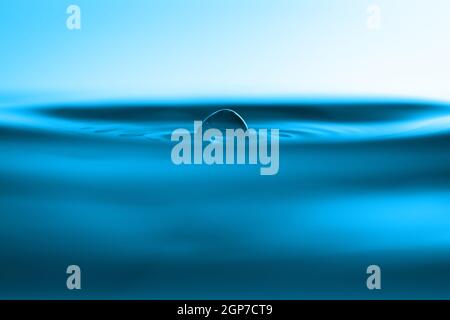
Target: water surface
x,y
360,183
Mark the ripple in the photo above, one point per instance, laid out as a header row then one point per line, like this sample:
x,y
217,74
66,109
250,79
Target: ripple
x,y
299,122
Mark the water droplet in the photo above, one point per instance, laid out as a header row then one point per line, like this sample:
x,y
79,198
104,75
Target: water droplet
x,y
224,119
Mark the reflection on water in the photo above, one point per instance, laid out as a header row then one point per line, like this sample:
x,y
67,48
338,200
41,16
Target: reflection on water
x,y
360,183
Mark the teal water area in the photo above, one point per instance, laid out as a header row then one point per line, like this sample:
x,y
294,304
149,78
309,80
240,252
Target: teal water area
x,y
360,183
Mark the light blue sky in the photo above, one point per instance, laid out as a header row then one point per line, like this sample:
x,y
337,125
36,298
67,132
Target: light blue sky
x,y
196,48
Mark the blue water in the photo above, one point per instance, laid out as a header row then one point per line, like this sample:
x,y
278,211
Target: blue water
x,y
361,182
